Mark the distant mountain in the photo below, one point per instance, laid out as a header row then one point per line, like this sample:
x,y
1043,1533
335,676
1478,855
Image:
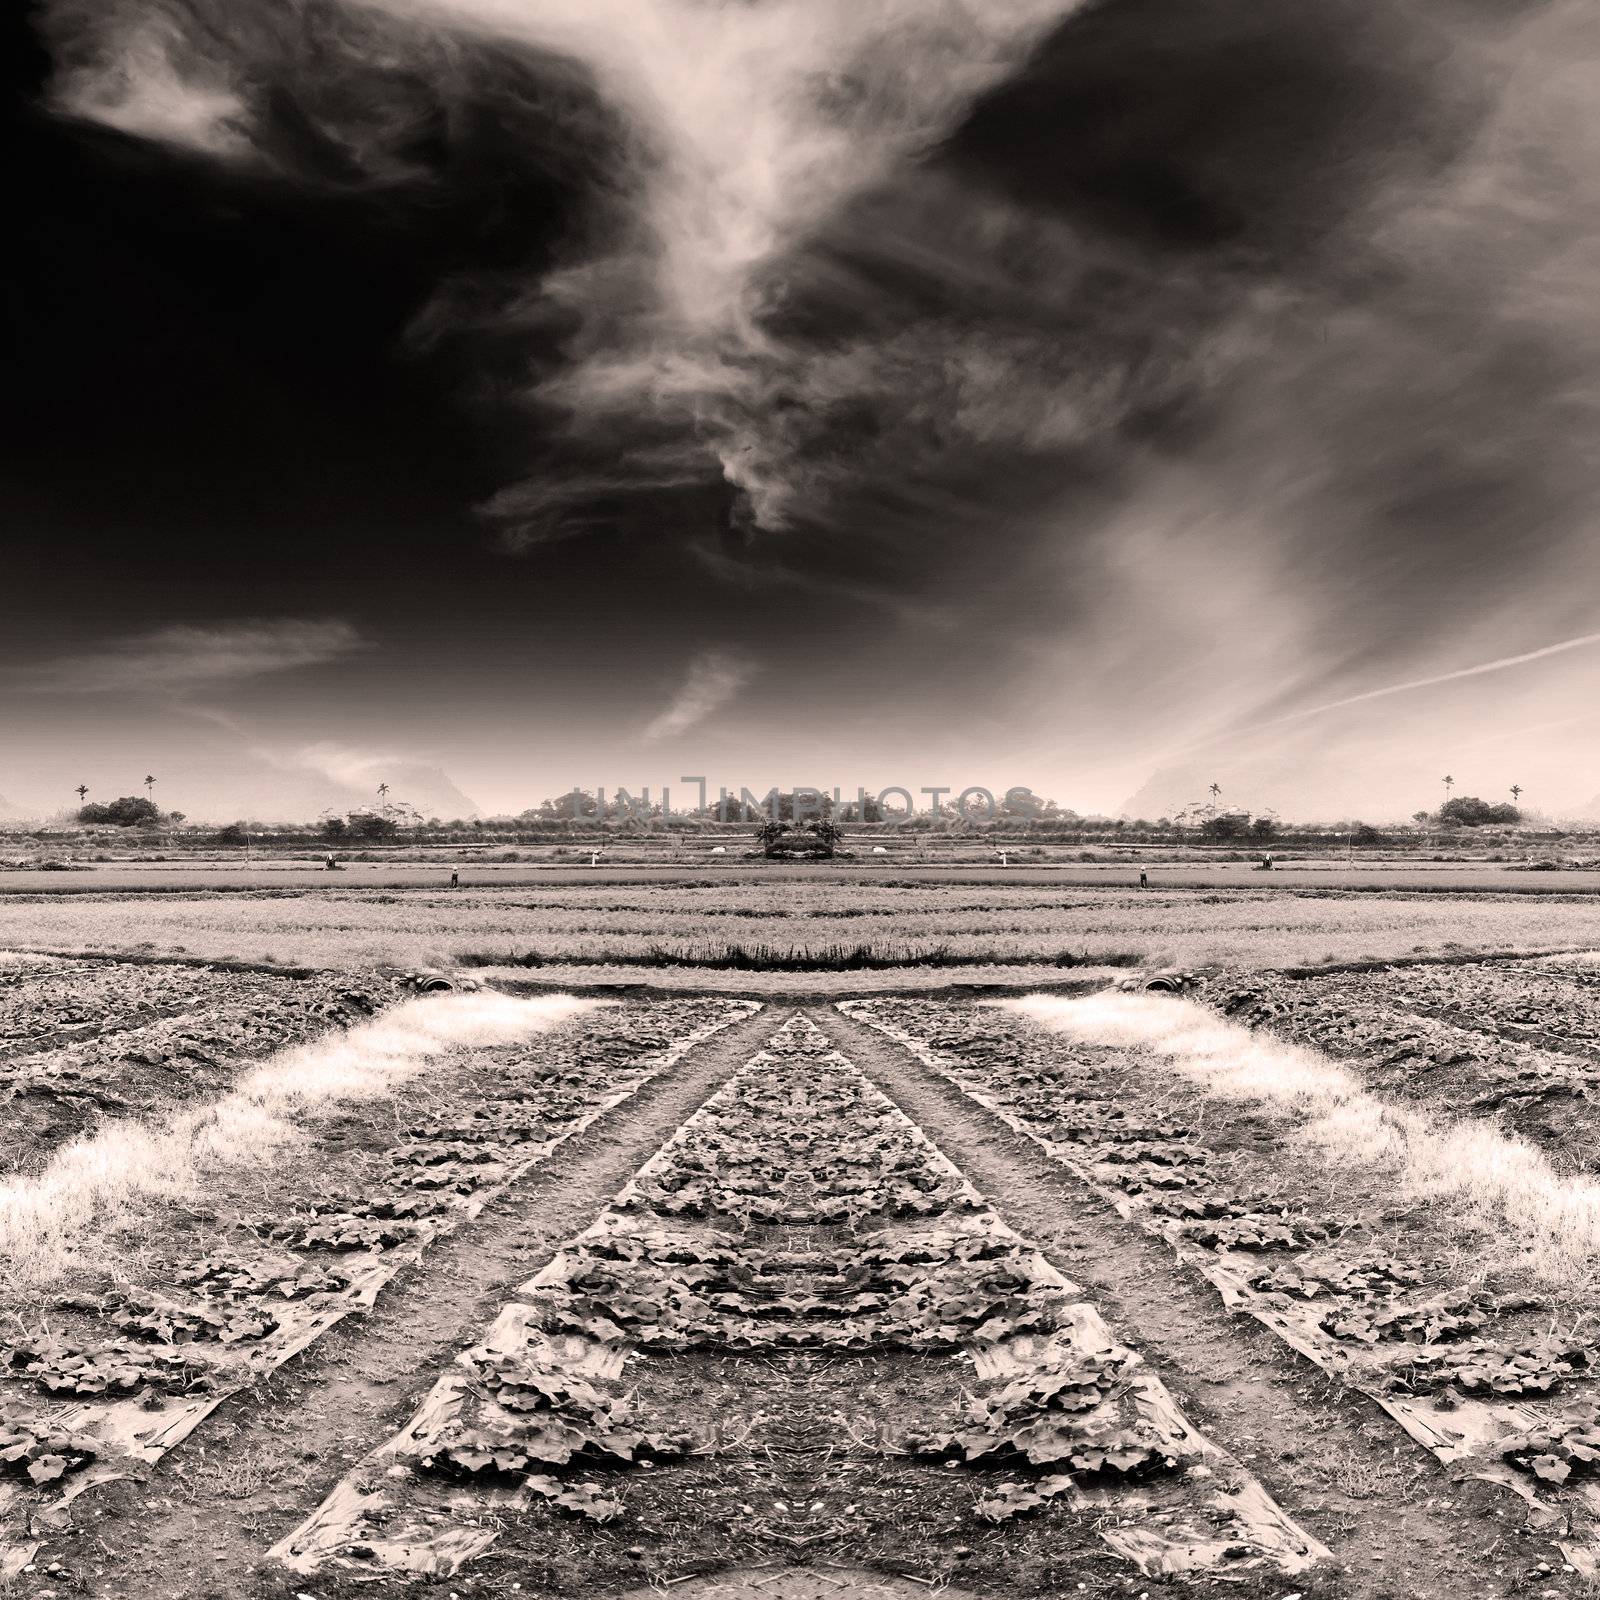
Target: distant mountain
x,y
1289,784
243,783
252,788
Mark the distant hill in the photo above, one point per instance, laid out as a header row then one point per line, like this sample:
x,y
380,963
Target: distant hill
x,y
245,784
254,789
1287,784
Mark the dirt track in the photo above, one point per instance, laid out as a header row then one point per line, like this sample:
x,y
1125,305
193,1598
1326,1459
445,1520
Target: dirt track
x,y
1340,1465
199,1526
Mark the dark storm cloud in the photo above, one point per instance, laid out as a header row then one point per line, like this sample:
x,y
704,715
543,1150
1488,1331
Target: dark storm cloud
x,y
1300,290
735,131
1298,247
479,161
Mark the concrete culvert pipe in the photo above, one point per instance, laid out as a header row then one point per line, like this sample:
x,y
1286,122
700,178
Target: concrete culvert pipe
x,y
1167,983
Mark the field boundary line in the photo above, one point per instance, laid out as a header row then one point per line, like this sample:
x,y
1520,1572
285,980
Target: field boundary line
x,y
145,958
1432,958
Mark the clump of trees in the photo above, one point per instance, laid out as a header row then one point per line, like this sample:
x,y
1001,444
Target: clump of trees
x,y
360,825
127,812
1015,805
1228,827
1468,811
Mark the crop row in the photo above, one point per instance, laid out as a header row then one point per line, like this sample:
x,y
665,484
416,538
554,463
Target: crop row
x,y
341,928
1455,1366
80,1041
797,1215
1539,1002
45,998
142,1366
1514,1039
55,1012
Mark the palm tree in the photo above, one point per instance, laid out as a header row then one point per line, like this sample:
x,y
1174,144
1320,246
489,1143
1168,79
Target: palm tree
x,y
383,790
150,785
1516,793
1216,789
82,792
1449,784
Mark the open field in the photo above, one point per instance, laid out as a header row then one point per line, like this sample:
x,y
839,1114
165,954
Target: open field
x,y
800,1238
169,876
805,923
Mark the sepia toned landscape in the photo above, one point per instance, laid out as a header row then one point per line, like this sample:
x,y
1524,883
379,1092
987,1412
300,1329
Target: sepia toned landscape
x,y
798,800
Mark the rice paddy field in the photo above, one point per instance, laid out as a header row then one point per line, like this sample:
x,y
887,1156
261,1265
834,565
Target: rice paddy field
x,y
752,920
799,1235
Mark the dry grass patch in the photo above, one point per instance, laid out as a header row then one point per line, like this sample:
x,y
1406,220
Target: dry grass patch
x,y
92,1187
1523,1211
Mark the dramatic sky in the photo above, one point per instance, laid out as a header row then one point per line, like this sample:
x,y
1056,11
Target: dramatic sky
x,y
1107,398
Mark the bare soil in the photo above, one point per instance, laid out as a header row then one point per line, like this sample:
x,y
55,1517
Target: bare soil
x,y
785,1511
1400,1528
196,1526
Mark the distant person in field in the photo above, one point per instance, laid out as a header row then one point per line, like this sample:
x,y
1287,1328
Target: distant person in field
x,y
455,878
1144,879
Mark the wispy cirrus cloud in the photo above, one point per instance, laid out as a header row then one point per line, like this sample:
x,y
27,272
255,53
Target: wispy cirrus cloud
x,y
186,657
142,90
714,678
1498,665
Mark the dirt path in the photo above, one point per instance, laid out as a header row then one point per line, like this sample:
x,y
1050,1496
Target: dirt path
x,y
1399,1528
196,1529
811,1410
